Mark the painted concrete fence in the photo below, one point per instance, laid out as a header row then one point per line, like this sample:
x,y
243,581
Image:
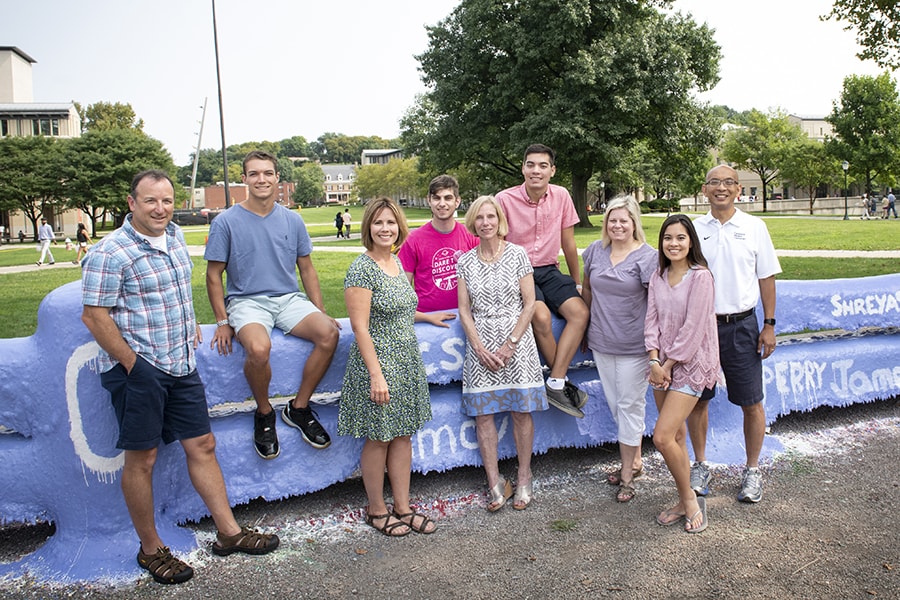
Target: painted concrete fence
x,y
60,463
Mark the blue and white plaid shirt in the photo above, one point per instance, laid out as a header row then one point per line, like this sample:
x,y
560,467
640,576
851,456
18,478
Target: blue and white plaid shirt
x,y
149,294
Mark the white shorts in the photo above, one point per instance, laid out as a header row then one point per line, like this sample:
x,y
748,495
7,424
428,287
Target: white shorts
x,y
283,312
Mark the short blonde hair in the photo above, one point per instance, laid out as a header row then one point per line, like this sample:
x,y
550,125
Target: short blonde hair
x,y
629,203
372,209
502,224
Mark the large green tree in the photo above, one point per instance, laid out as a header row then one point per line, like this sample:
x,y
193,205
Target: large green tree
x,y
308,182
762,145
587,77
30,176
809,166
396,178
108,115
877,25
866,123
295,147
99,167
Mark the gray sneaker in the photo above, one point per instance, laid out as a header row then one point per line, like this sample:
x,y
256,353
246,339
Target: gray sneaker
x,y
700,478
578,396
751,486
560,399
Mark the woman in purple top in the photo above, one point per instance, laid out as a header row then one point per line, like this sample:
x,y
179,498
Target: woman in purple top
x,y
681,338
617,269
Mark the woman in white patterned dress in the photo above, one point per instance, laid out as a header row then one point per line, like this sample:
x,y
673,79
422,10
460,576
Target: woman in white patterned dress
x,y
501,372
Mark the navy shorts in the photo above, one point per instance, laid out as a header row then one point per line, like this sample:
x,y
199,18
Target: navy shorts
x,y
741,361
152,405
553,287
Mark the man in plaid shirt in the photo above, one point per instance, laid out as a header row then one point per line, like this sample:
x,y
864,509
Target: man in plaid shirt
x,y
136,291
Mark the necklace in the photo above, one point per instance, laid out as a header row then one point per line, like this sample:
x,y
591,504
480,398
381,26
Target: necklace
x,y
494,256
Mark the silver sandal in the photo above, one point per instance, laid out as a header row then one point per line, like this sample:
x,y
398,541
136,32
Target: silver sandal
x,y
524,496
500,493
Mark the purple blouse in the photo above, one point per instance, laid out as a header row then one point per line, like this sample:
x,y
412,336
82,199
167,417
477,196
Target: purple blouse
x,y
618,298
681,324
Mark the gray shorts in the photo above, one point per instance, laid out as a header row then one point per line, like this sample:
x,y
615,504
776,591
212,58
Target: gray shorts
x,y
283,312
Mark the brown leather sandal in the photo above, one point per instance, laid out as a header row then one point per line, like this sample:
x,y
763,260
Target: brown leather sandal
x,y
423,522
626,492
248,541
164,567
387,527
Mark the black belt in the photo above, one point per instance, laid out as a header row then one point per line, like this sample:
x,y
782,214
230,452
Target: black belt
x,y
735,316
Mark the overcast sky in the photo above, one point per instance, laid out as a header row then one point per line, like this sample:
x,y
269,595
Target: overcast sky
x,y
294,67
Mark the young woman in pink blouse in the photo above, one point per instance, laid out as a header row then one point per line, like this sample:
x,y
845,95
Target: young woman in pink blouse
x,y
681,338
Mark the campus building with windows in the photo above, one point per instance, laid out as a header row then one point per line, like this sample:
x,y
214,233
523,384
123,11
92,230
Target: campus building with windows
x,y
20,116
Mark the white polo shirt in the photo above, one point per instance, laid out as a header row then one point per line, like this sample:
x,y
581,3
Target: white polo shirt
x,y
740,253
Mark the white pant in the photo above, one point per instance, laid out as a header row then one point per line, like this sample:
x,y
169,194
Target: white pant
x,y
45,251
624,379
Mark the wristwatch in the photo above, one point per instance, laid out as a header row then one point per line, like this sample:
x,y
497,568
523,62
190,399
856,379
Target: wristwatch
x,y
769,322
513,340
222,323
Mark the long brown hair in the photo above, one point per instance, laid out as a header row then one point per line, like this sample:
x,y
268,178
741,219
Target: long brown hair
x,y
694,255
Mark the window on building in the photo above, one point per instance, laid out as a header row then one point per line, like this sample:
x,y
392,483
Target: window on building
x,y
45,127
341,188
4,127
328,178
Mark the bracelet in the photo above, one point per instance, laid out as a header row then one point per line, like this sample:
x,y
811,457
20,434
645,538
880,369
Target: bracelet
x,y
654,360
222,323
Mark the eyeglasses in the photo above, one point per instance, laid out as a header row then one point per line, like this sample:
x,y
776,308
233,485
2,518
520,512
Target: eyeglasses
x,y
715,182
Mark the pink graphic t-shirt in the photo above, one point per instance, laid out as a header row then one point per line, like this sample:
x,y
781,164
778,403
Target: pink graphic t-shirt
x,y
431,257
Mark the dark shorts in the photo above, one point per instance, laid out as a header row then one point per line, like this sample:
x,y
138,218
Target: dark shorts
x,y
152,405
553,287
741,361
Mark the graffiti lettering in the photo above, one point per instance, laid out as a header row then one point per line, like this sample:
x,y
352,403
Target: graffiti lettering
x,y
466,439
849,383
872,304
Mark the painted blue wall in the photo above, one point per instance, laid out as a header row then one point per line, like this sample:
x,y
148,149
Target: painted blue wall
x,y
61,464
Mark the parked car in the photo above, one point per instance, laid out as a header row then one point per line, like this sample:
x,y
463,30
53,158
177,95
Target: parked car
x,y
194,216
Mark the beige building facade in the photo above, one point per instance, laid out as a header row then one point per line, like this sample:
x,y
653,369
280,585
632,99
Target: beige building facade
x,y
20,116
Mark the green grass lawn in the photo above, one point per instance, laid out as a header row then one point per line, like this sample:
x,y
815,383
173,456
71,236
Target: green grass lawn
x,y
21,293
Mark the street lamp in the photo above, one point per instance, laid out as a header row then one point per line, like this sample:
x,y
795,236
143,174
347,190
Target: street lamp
x,y
845,165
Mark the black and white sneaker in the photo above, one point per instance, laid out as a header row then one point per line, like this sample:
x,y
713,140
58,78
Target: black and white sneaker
x,y
578,396
305,420
561,400
265,439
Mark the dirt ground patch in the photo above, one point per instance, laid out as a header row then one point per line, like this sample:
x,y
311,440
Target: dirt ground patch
x,y
826,528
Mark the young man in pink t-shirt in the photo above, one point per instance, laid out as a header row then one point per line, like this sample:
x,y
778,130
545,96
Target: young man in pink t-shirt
x,y
430,252
542,219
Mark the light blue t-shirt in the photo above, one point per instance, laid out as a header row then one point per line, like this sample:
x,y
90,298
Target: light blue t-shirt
x,y
260,252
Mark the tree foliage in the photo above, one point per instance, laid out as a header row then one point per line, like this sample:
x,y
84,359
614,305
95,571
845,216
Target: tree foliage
x,y
337,148
587,77
99,167
398,178
308,179
102,116
762,145
866,123
809,165
877,26
30,180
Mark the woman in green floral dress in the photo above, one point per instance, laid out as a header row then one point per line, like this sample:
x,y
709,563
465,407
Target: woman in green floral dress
x,y
385,393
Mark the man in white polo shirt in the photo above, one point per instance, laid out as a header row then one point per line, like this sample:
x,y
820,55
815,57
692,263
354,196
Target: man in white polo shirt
x,y
742,259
